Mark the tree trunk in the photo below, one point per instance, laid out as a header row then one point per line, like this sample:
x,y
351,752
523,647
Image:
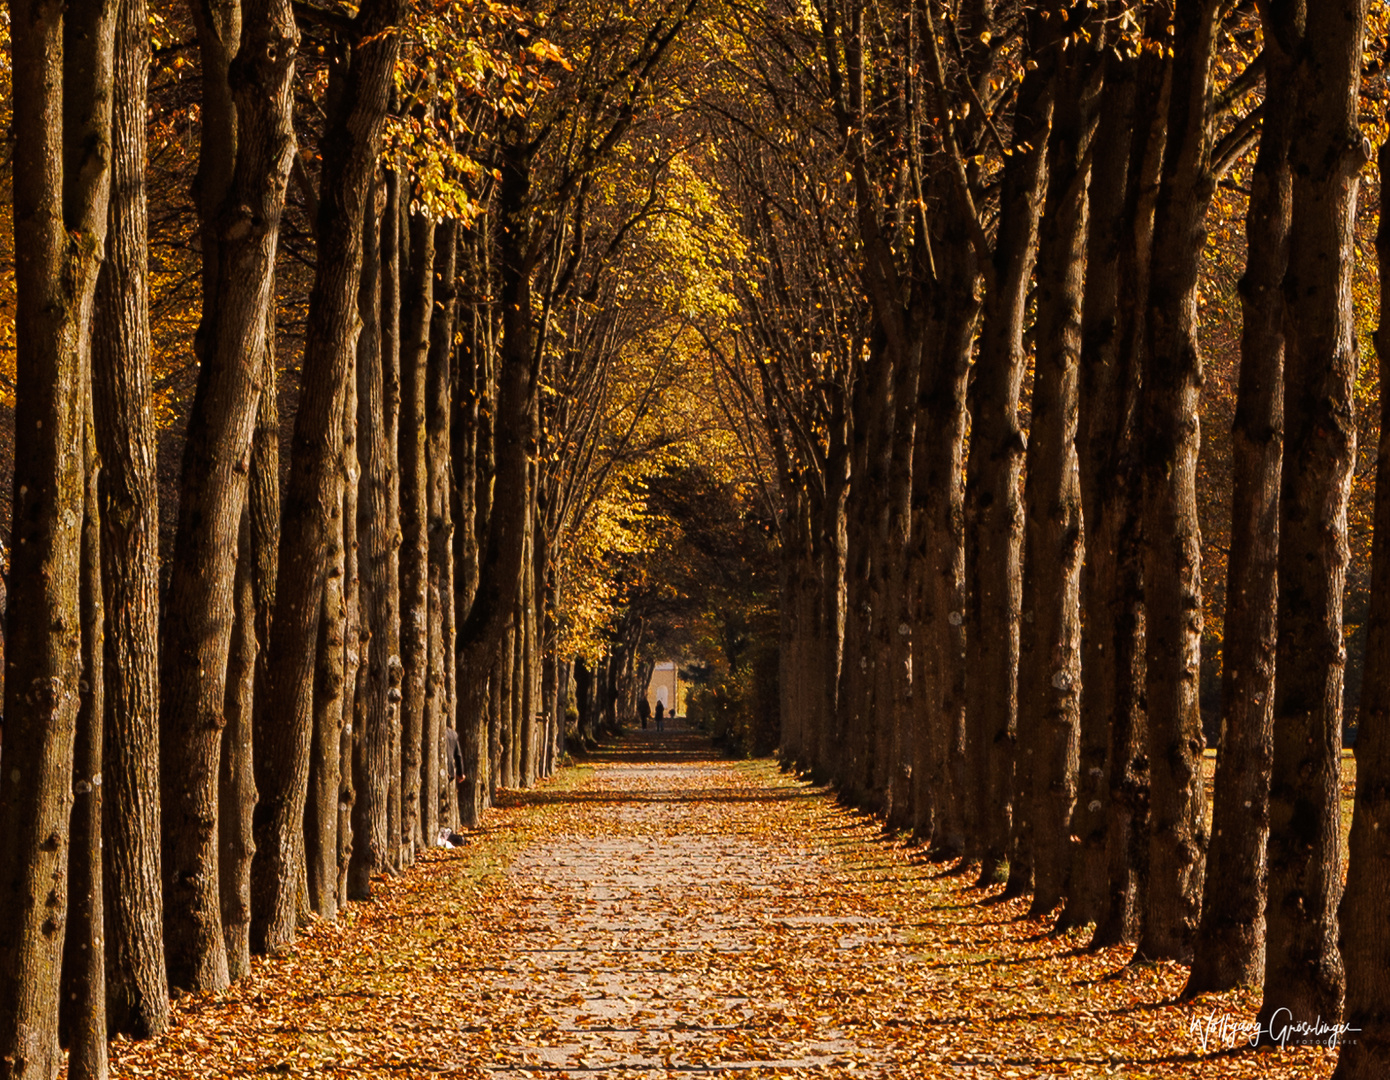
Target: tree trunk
x,y
481,632
236,796
449,614
524,705
1107,413
993,514
834,544
263,504
354,641
1121,517
1304,976
417,307
393,238
792,588
1050,687
1172,551
62,82
894,752
82,1012
137,993
867,532
321,806
312,492
514,723
1366,1055
439,535
501,739
379,698
471,407
198,612
1229,950
938,565
584,703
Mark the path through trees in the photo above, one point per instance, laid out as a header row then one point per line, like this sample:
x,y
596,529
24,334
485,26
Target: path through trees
x,y
970,398
663,911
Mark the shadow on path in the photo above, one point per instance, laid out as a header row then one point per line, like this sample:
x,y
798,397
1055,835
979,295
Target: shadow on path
x,y
661,911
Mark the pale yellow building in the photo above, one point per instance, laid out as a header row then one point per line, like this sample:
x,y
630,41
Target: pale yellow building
x,y
666,688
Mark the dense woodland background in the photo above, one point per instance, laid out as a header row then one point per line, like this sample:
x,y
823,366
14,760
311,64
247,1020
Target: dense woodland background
x,y
980,397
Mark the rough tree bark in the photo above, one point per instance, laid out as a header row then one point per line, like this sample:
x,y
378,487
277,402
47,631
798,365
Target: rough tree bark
x,y
1105,435
354,643
523,703
321,803
1304,977
1172,553
439,380
1050,681
1362,913
61,66
312,491
833,524
993,514
82,1012
263,511
137,993
236,787
1126,757
941,802
377,604
391,264
198,614
870,426
416,310
482,631
1229,950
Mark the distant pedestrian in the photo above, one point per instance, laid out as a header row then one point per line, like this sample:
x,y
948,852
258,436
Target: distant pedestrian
x,y
644,712
453,755
661,716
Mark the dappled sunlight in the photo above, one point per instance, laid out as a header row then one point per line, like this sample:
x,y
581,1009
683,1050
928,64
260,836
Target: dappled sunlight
x,y
659,910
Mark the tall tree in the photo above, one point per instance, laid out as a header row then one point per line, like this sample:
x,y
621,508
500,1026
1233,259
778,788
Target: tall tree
x,y
240,240
1172,559
62,76
1112,644
82,1012
349,728
439,383
313,489
136,987
993,509
416,311
1050,656
378,582
1122,676
1365,931
236,782
330,687
1229,948
263,505
393,237
1303,969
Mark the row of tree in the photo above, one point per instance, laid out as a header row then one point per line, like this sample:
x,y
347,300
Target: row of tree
x,y
489,305
428,255
992,616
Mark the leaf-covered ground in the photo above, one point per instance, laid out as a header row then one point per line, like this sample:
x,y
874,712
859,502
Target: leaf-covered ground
x,y
663,912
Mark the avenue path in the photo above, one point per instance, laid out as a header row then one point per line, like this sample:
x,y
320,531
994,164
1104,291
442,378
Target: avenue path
x,y
660,911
